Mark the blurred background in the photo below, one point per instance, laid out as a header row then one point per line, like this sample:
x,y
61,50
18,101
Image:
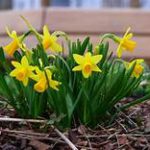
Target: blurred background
x,y
91,19
36,4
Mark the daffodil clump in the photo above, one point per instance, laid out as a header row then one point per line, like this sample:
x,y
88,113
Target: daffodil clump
x,y
83,86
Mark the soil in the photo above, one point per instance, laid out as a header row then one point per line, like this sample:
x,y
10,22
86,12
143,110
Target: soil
x,y
129,131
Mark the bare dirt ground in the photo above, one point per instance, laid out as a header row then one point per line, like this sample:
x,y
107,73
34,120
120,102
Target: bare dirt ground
x,y
129,131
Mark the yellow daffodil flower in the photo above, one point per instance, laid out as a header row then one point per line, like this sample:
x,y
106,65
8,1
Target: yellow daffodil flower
x,y
50,41
52,83
23,71
44,79
125,43
138,69
40,78
87,63
14,45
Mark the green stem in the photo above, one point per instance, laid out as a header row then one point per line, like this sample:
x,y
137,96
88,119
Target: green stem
x,y
68,69
109,35
38,36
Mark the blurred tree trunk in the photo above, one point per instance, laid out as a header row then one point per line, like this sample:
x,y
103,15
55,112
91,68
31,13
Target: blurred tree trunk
x,y
135,3
45,3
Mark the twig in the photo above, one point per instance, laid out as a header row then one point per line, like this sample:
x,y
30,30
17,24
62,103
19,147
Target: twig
x,y
130,120
29,137
72,146
89,143
122,146
123,127
24,132
147,144
134,112
110,136
5,119
83,147
117,140
104,129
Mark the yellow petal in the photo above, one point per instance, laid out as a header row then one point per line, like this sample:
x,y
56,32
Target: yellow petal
x,y
129,36
16,64
49,42
34,77
95,68
14,35
25,81
31,68
49,73
37,70
88,56
56,47
30,73
24,61
126,33
46,32
95,59
78,58
53,84
77,68
14,73
139,61
46,38
39,76
53,38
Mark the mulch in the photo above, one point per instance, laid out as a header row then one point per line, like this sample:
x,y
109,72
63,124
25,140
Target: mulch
x,y
129,131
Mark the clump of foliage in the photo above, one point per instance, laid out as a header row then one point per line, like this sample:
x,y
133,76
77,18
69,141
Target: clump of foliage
x,y
83,86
